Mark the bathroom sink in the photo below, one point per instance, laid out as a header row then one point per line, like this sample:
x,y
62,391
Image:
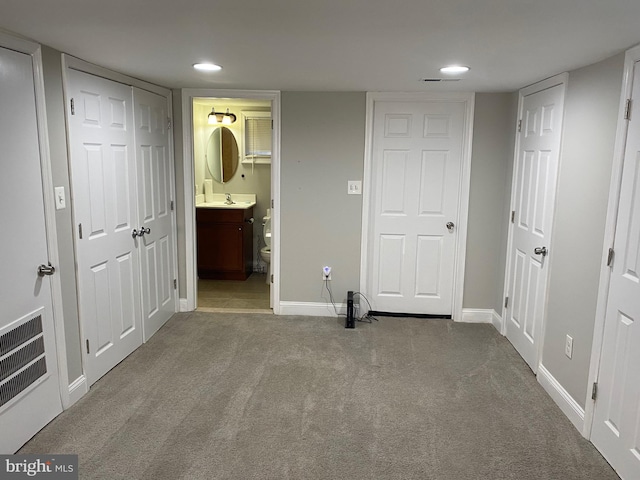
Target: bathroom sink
x,y
219,204
219,200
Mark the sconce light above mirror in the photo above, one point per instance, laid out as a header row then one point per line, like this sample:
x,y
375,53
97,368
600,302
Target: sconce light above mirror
x,y
219,118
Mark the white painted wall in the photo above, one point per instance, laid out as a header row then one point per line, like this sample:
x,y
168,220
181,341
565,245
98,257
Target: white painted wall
x,y
322,148
491,166
52,71
179,176
591,116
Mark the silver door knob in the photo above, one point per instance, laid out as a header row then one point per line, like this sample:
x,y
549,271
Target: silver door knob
x,y
450,226
541,251
46,270
143,230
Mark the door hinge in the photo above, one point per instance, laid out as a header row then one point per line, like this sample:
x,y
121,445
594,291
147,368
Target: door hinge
x,y
73,107
519,125
80,230
594,391
610,258
175,284
171,205
168,123
506,302
88,350
627,110
513,216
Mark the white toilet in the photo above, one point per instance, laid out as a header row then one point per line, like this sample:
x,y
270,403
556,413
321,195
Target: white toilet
x,y
265,252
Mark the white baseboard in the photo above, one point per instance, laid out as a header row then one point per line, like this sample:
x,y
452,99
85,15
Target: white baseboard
x,y
77,389
477,315
312,309
566,402
482,315
497,321
184,305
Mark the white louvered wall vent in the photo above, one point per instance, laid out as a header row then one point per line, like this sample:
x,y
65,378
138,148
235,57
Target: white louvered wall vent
x,y
22,358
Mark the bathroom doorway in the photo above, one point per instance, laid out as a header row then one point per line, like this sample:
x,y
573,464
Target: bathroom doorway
x,y
233,149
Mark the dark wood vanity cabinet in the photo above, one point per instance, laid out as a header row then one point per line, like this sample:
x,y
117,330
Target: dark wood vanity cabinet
x,y
225,243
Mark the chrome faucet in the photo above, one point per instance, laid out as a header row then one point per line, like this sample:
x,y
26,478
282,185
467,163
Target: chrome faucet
x,y
229,201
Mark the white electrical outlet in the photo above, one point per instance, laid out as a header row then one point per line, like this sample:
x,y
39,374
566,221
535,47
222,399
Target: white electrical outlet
x,y
568,346
354,187
326,273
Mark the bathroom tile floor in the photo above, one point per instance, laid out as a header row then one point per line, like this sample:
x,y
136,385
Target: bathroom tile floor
x,y
220,295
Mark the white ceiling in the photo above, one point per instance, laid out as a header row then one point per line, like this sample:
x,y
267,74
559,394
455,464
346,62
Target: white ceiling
x,y
372,45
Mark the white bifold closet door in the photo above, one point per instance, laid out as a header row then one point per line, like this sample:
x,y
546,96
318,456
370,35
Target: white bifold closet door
x,y
154,210
121,184
103,172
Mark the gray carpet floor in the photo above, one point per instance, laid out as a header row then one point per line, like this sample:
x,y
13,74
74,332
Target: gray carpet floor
x,y
250,396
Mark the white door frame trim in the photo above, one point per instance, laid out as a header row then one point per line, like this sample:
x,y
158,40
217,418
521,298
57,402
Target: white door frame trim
x,y
72,63
631,57
188,94
34,50
468,99
560,79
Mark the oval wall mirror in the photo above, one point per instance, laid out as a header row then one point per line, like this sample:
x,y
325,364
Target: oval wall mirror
x,y
222,154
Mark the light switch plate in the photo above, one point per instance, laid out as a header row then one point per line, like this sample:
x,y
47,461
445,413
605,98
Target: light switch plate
x,y
61,201
354,187
568,346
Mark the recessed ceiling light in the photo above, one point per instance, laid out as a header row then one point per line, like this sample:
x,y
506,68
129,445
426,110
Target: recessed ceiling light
x,y
207,67
454,69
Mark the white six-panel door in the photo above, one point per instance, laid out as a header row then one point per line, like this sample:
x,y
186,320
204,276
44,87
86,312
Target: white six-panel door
x,y
416,179
29,386
103,173
534,187
616,423
154,210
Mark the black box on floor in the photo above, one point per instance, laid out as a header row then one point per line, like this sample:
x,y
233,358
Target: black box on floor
x,y
350,322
